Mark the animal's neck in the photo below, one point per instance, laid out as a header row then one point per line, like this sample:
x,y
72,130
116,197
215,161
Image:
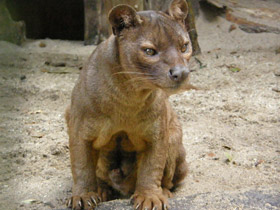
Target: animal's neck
x,y
129,95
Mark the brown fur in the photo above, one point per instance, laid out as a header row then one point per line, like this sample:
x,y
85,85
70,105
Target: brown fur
x,y
123,134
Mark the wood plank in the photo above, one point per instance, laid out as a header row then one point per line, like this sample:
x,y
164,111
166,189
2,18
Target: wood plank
x,y
252,16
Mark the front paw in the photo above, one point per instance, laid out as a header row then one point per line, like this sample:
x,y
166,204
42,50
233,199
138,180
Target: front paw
x,y
106,193
149,200
87,201
167,193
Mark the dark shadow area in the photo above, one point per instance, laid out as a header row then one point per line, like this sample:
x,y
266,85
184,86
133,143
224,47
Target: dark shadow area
x,y
210,11
55,19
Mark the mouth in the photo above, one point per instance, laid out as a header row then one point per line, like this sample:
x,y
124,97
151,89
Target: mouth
x,y
173,87
177,85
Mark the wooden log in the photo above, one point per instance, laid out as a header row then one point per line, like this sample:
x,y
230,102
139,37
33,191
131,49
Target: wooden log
x,y
262,17
158,5
91,22
97,27
190,24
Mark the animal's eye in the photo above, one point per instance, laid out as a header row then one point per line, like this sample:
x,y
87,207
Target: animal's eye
x,y
184,48
150,51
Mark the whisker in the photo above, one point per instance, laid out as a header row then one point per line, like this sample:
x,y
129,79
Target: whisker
x,y
137,73
140,79
130,66
191,30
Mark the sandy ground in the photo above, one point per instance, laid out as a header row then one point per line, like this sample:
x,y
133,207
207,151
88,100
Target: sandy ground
x,y
231,126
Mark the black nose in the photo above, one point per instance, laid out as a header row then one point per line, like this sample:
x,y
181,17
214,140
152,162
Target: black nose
x,y
178,73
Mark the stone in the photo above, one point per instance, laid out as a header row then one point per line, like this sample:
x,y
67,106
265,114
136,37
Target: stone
x,y
10,30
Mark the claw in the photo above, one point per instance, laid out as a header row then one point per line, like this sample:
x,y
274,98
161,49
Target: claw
x,y
69,203
80,204
131,201
138,205
146,208
155,208
94,201
165,207
99,199
89,203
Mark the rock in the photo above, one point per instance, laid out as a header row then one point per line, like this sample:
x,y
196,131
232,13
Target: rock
x,y
277,73
231,28
42,44
55,150
23,77
36,134
265,199
276,89
10,30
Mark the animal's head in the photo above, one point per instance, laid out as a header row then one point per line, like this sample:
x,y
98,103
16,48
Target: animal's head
x,y
154,47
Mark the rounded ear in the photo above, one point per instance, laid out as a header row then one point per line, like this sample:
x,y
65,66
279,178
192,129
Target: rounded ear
x,y
123,16
178,9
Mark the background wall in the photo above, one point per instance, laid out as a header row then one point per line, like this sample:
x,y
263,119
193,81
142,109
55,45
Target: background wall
x,y
55,19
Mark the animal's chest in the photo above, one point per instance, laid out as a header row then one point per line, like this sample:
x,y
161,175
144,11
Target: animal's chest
x,y
140,124
130,132
136,128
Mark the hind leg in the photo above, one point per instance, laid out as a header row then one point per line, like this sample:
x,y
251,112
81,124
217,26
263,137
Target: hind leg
x,y
181,169
176,166
104,183
175,172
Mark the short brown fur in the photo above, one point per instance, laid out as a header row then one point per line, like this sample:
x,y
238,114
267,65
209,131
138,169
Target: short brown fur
x,y
123,134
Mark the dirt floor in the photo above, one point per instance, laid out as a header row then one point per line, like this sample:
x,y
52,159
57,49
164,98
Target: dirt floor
x,y
231,126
